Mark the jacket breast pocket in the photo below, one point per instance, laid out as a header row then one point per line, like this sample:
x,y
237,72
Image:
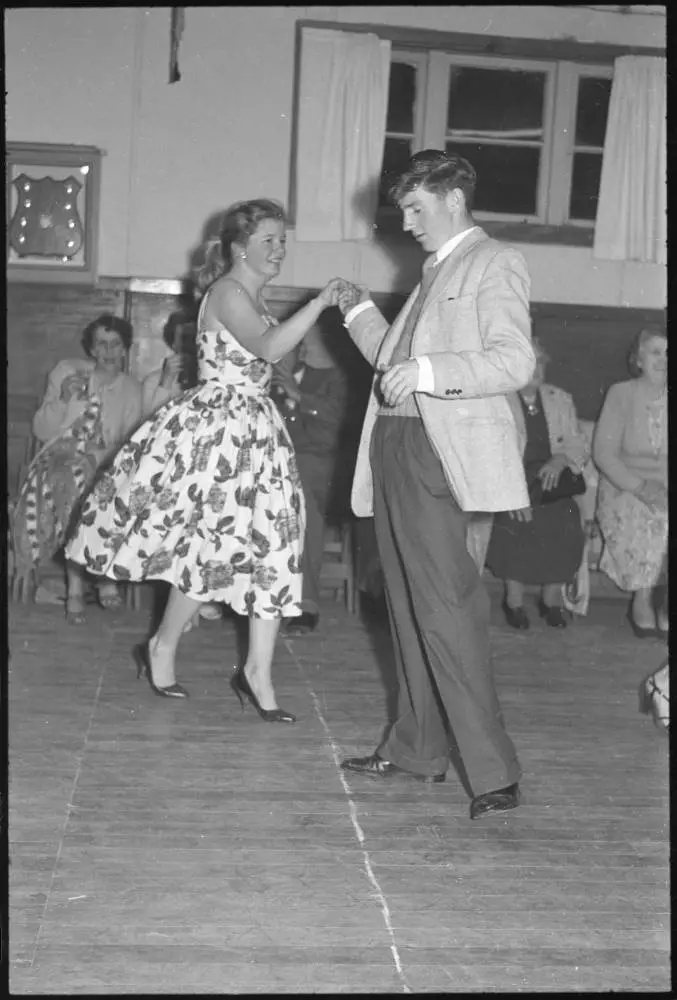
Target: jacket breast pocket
x,y
452,308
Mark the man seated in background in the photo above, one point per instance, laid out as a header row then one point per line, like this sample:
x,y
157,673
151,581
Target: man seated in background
x,y
323,401
178,370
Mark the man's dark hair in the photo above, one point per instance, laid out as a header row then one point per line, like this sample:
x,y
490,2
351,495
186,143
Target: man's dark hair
x,y
438,172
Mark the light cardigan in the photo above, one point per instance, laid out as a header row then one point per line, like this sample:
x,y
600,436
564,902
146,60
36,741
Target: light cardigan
x,y
621,447
121,409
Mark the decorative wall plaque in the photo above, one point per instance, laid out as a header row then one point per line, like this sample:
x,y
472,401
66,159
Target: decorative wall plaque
x,y
52,197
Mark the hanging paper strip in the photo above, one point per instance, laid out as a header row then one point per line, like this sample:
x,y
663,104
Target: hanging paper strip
x,y
178,21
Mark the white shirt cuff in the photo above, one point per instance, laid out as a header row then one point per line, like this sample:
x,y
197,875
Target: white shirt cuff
x,y
426,376
356,310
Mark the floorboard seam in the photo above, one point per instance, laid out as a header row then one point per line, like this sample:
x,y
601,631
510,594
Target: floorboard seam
x,y
359,833
80,758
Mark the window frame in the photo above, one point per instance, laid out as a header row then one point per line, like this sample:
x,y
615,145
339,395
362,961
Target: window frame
x,y
559,122
569,75
419,60
443,61
413,41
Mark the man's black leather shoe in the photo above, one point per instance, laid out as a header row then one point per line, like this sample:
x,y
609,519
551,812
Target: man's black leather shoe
x,y
377,768
305,623
515,617
488,802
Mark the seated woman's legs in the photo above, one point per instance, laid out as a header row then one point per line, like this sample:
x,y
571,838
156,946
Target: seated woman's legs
x,y
551,595
644,613
662,615
514,594
513,602
75,594
642,609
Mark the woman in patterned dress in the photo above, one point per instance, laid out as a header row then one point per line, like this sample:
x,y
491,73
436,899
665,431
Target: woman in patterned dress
x,y
206,494
630,448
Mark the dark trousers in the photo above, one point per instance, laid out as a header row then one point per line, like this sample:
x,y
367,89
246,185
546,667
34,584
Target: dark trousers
x,y
317,473
439,617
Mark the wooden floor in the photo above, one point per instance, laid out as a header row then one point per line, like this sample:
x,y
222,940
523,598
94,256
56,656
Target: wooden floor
x,y
164,847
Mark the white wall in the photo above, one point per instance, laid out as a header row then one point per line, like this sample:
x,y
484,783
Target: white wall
x,y
177,154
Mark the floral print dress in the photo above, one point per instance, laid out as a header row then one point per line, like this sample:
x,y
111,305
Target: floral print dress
x,y
206,493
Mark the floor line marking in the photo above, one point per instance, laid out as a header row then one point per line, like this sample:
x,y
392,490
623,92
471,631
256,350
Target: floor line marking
x,y
80,756
359,833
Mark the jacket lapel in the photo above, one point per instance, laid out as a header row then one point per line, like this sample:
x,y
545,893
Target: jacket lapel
x,y
437,288
450,263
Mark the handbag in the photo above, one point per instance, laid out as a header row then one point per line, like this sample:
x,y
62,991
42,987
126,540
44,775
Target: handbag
x,y
576,594
569,484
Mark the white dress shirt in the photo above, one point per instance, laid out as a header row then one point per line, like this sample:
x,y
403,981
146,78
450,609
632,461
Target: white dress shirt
x,y
426,378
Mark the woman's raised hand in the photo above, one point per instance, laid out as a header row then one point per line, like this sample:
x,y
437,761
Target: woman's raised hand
x,y
344,294
74,385
329,296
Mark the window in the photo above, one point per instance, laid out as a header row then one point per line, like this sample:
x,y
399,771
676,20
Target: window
x,y
533,129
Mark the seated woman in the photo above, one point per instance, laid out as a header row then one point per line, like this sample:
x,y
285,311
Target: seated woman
x,y
89,408
542,546
630,449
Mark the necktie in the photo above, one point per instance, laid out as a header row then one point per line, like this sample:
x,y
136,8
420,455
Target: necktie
x,y
403,347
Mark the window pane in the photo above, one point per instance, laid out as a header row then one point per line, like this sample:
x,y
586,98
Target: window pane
x,y
585,180
496,102
592,110
507,176
401,96
396,156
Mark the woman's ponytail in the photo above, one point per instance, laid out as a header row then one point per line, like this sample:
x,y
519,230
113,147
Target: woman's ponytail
x,y
213,267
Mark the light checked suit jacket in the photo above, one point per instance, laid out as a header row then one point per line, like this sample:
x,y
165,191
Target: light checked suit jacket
x,y
475,327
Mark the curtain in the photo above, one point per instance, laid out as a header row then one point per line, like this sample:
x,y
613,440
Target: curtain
x,y
343,102
631,219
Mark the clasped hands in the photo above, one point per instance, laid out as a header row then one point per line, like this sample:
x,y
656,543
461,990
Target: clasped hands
x,y
399,381
343,294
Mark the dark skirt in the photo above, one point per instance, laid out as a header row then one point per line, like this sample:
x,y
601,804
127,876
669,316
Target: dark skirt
x,y
547,549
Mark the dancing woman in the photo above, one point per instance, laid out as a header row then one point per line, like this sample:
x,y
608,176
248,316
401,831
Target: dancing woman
x,y
206,494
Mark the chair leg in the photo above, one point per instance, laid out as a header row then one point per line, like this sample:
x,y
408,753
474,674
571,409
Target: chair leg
x,y
23,586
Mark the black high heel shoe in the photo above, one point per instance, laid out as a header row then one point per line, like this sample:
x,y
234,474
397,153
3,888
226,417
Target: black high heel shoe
x,y
142,657
515,617
242,689
554,617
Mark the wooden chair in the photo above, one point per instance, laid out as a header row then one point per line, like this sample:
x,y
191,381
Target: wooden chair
x,y
23,582
338,567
